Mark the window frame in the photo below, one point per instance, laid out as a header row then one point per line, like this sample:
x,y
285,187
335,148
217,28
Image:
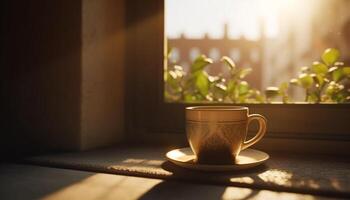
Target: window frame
x,y
150,118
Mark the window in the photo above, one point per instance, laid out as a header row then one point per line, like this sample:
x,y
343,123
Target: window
x,y
151,118
274,51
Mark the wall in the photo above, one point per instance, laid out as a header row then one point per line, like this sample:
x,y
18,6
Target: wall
x,y
42,75
61,75
102,72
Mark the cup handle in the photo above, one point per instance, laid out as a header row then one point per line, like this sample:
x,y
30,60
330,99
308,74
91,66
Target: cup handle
x,y
261,132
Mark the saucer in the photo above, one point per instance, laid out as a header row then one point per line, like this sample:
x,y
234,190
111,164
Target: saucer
x,y
247,158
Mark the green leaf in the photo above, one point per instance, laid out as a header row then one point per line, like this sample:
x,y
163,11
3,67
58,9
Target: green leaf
x,y
202,83
294,81
190,98
244,72
200,63
243,88
304,69
271,92
229,62
320,79
319,68
330,56
346,71
221,87
171,79
283,87
170,50
337,74
258,96
306,80
231,87
340,73
312,97
332,69
216,79
199,97
180,73
283,91
178,68
339,64
334,88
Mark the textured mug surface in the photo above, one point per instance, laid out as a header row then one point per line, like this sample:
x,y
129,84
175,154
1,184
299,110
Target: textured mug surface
x,y
217,134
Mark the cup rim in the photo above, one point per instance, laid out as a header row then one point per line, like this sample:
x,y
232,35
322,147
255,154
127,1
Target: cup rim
x,y
216,108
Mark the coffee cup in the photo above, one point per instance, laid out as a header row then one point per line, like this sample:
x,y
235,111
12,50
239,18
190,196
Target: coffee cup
x,y
217,134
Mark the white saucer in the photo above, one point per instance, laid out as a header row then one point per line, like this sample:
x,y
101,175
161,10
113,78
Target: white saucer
x,y
246,159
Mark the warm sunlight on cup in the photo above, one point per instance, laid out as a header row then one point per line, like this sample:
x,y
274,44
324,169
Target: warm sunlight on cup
x,y
217,133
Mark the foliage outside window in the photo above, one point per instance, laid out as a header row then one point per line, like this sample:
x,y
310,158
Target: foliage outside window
x,y
324,81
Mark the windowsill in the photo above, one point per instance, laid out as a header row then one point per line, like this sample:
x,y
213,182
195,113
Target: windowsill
x,y
316,174
35,182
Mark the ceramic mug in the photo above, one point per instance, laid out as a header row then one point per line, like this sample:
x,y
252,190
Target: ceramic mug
x,y
217,134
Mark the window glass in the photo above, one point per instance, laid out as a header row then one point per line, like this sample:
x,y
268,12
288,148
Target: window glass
x,y
257,51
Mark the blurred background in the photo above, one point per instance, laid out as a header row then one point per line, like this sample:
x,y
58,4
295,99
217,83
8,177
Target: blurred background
x,y
273,37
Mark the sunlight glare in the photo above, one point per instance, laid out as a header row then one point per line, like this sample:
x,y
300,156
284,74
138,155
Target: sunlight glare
x,y
278,177
104,186
195,18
